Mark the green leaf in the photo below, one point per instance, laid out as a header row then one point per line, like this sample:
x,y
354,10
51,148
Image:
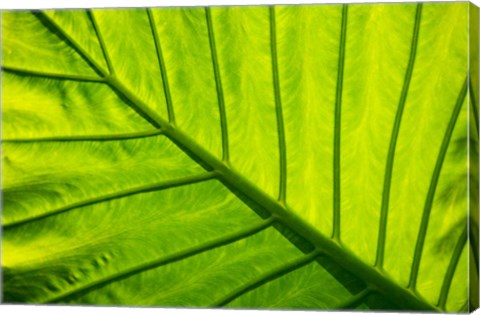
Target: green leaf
x,y
294,157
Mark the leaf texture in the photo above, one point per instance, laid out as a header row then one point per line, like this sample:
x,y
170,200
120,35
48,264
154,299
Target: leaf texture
x,y
294,157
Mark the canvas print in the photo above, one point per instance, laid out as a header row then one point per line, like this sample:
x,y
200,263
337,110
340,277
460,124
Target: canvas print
x,y
318,157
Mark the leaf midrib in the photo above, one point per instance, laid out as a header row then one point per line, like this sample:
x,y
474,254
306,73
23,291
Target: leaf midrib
x,y
235,181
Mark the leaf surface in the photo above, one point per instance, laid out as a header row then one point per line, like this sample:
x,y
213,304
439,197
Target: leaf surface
x,y
297,157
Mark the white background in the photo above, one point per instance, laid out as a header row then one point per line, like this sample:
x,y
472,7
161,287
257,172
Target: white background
x,y
54,310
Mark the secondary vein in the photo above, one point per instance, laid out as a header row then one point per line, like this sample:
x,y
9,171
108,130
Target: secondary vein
x,y
163,69
433,186
338,115
101,41
195,250
98,137
51,24
144,112
452,266
111,196
267,277
218,84
393,142
278,109
51,75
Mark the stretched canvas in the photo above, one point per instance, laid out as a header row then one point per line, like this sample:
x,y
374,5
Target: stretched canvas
x,y
318,157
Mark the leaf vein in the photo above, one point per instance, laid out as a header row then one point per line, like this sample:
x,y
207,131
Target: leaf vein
x,y
99,137
278,109
338,117
101,40
452,266
222,241
163,69
218,84
115,195
110,80
354,300
393,141
51,75
267,277
422,233
57,30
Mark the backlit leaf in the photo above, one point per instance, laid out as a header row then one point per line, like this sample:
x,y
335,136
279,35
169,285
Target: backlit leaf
x,y
294,157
